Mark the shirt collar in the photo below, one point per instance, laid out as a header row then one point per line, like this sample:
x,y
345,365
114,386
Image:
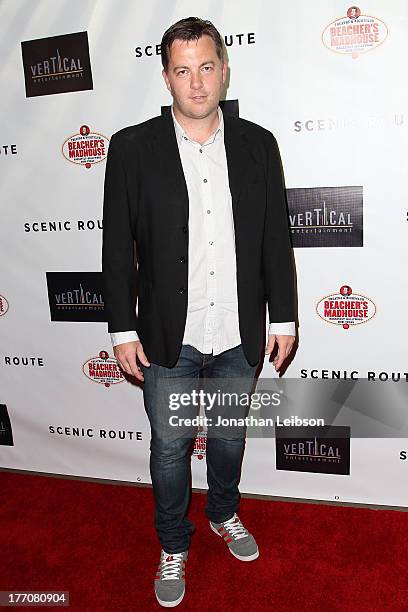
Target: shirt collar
x,y
181,134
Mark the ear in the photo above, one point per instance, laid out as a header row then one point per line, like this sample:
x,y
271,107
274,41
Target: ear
x,y
166,80
224,71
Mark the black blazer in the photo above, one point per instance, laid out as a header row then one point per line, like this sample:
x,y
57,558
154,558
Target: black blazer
x,y
145,224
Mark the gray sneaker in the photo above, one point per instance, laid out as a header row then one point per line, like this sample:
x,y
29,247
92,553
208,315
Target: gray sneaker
x,y
241,543
169,584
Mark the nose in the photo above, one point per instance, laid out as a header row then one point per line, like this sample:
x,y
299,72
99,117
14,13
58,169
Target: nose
x,y
196,81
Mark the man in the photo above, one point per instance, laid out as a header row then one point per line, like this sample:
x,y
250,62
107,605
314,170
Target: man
x,y
201,195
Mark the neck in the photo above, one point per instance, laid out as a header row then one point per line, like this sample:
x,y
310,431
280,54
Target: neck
x,y
198,129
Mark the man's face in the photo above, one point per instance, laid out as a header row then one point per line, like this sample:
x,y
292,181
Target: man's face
x,y
195,76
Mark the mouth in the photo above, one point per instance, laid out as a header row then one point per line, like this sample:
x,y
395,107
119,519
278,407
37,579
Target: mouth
x,y
198,98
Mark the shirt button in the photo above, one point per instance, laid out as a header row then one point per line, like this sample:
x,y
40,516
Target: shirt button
x,y
182,260
182,290
212,272
211,242
205,181
201,150
185,229
211,303
208,212
185,137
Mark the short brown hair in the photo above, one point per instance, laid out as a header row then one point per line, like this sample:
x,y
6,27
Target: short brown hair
x,y
190,28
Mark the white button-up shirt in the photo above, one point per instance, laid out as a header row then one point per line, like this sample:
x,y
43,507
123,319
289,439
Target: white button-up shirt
x,y
212,323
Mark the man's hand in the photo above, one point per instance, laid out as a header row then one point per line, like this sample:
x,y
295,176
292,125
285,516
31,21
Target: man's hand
x,y
126,354
285,345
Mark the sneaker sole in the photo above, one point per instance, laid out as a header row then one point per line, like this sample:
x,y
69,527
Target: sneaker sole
x,y
252,557
170,604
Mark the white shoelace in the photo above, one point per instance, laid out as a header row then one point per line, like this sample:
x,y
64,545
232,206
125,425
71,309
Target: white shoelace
x,y
235,528
170,566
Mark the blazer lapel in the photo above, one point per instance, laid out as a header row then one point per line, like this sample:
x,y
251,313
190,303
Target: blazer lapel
x,y
169,164
239,159
166,152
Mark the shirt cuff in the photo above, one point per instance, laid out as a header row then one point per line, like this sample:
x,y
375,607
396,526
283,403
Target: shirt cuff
x,y
282,329
122,337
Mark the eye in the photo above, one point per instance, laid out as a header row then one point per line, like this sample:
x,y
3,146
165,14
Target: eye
x,y
181,72
207,68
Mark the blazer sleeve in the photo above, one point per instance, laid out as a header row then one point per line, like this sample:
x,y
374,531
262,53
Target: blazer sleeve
x,y
118,247
278,261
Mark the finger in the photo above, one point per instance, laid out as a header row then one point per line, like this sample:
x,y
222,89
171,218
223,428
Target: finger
x,y
141,356
119,358
279,360
127,366
135,369
123,364
285,347
270,344
281,356
289,347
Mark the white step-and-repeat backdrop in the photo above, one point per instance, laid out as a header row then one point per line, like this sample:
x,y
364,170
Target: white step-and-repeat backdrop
x,y
329,80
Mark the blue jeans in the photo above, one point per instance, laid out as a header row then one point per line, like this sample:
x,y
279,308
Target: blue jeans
x,y
170,447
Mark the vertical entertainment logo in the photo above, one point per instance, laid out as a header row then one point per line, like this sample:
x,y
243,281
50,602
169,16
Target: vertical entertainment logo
x,y
324,450
326,216
57,64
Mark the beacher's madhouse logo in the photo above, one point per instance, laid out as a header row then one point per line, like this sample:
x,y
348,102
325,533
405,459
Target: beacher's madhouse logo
x,y
200,444
57,64
4,305
354,33
346,308
103,369
85,148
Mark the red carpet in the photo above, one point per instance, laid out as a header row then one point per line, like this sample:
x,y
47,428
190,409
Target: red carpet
x,y
97,541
